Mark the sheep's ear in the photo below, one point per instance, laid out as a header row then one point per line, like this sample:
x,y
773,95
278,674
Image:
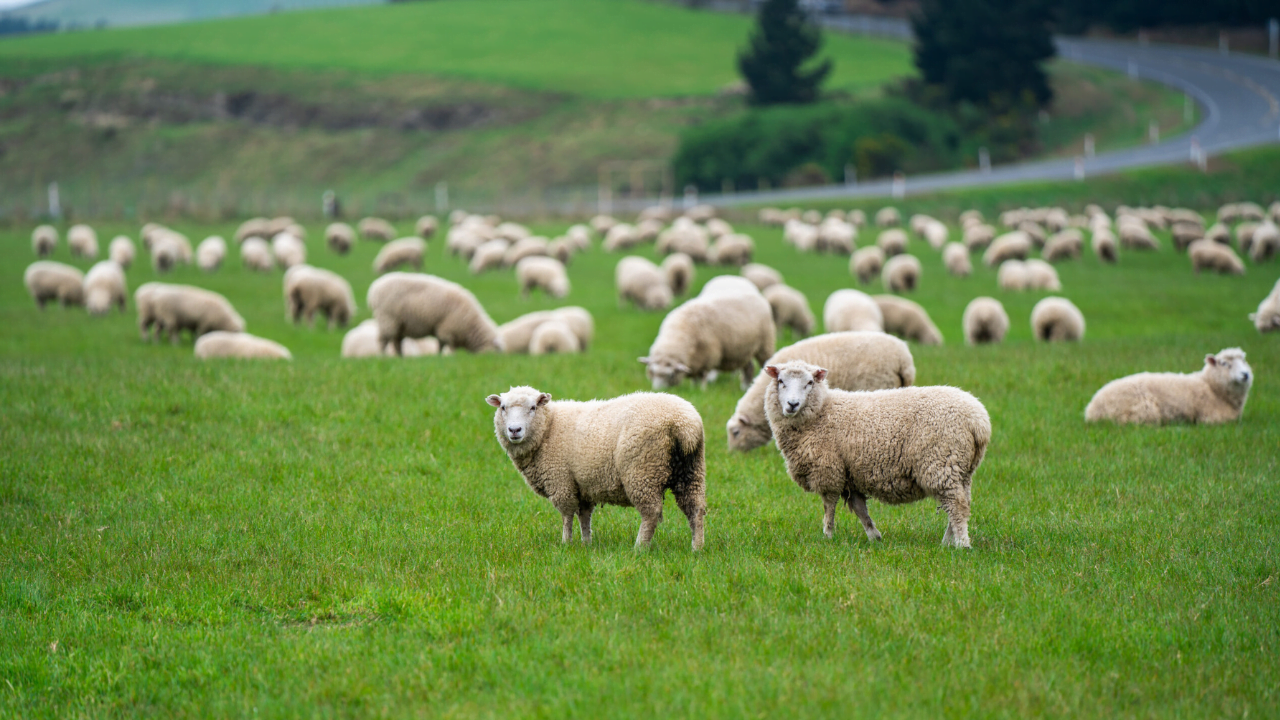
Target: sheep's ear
x,y
820,374
543,399
771,371
1210,360
494,400
644,360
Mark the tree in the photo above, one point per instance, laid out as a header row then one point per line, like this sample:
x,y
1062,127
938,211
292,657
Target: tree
x,y
986,52
773,63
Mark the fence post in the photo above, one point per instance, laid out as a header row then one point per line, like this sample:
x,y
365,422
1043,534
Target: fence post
x,y
984,160
55,201
899,185
1088,145
442,196
690,196
1079,173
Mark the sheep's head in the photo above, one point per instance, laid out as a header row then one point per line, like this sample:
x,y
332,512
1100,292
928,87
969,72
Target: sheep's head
x,y
98,301
516,418
746,434
664,372
657,297
794,384
1229,370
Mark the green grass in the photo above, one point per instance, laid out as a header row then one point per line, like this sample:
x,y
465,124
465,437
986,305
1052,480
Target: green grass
x,y
595,48
346,538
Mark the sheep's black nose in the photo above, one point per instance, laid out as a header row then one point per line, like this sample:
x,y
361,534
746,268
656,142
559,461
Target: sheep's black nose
x,y
513,430
792,405
1246,377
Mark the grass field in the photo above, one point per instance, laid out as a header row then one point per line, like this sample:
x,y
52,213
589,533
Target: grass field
x,y
345,538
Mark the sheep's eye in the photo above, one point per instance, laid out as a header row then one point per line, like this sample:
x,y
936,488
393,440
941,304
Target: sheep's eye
x,y
504,408
810,384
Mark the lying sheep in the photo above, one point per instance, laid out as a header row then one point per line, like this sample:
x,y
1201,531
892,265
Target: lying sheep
x,y
1042,276
626,451
642,283
255,254
901,274
517,335
339,237
1057,319
720,331
731,249
82,241
1209,255
121,251
172,309
907,320
362,341
1010,246
790,309
1267,318
44,239
1215,394
210,253
679,270
525,247
897,446
866,263
956,257
985,321
857,361
892,242
409,305
1104,245
399,253
376,229
48,280
553,336
1265,242
1065,245
426,226
489,256
104,286
288,250
308,290
847,310
221,344
543,273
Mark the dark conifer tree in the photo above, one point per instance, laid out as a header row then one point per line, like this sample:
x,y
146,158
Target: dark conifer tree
x,y
773,64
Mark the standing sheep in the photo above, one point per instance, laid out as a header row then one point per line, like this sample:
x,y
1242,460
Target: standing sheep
x,y
222,344
288,250
553,336
1057,319
1066,245
1104,245
956,257
339,237
121,251
175,308
48,280
761,275
627,451
1013,276
907,320
731,249
398,253
544,273
44,239
210,253
642,283
525,247
888,217
866,263
679,270
896,446
1265,243
1042,276
1215,394
985,321
310,289
621,236
105,286
82,241
255,254
1267,318
901,273
488,256
857,361
790,309
1209,255
426,226
376,229
408,305
978,237
847,310
1010,246
892,242
716,332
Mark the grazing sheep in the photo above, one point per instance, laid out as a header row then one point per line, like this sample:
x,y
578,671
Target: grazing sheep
x,y
82,241
642,283
288,250
684,237
621,236
221,344
121,251
517,335
602,223
1010,246
901,274
1250,211
836,236
283,224
678,267
701,213
936,234
1033,231
255,254
544,273
1267,318
48,280
253,227
463,241
731,249
1057,319
888,217
761,275
169,249
1135,235
866,263
790,309
971,216
1265,243
1013,275
626,451
1042,276
376,229
310,289
174,308
1104,245
907,320
426,226
562,249
1186,233
409,305
1065,245
515,232
1209,255
489,256
956,257
978,237
718,228
892,242
1215,394
718,331
399,253
339,237
210,253
44,239
660,213
1217,232
531,246
858,361
801,235
851,310
553,336
897,446
579,236
1244,236
104,286
985,321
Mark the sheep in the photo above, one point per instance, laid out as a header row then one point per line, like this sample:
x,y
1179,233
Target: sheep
x,y
1215,394
1218,233
1265,243
426,226
985,321
1042,276
888,217
978,237
731,249
857,217
544,273
288,250
971,216
907,320
309,289
339,237
1244,235
169,249
48,280
376,229
602,223
1250,211
1273,212
282,224
399,253
1057,319
761,275
553,336
44,239
621,236
255,254
409,305
562,249
858,361
489,256
626,451
1135,235
866,263
642,283
835,235
956,257
1013,275
174,308
701,213
253,227
1104,245
680,273
847,310
210,253
362,341
530,246
517,334
82,241
892,242
935,233
104,286
718,228
801,235
790,309
464,242
515,232
1033,231
222,344
1010,246
661,213
1267,318
684,237
1209,255
896,446
901,273
1065,245
121,251
718,331
1186,233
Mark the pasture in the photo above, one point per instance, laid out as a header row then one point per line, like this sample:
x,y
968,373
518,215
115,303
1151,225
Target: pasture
x,y
345,538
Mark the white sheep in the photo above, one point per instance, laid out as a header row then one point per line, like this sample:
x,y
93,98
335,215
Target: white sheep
x,y
376,229
717,228
362,341
210,253
288,250
174,308
892,242
1134,233
684,237
48,280
1033,231
1265,242
1209,255
720,330
888,217
896,446
761,275
562,249
790,309
956,257
1013,276
621,236
985,321
731,249
1267,317
410,305
104,286
530,246
1042,276
935,233
678,267
517,335
44,240
1057,319
168,249
82,241
1064,245
1010,246
857,361
642,283
1215,394
553,336
1104,245
978,237
308,290
399,253
221,344
426,226
1184,233
490,255
121,250
255,254
907,320
836,236
339,237
253,227
901,273
847,310
1217,232
801,235
627,451
866,263
515,232
701,213
543,273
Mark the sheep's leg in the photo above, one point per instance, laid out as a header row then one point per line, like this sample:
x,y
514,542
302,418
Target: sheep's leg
x,y
829,503
692,502
747,375
650,518
858,504
584,520
957,508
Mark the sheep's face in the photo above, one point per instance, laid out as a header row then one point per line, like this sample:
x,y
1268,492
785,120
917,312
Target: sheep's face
x,y
664,372
518,409
744,434
1229,367
657,297
795,382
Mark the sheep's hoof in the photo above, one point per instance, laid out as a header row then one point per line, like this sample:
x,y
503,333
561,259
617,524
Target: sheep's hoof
x,y
874,536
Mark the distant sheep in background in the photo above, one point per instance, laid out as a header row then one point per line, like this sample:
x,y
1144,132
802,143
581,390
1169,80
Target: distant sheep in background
x,y
790,309
892,242
210,253
255,254
426,226
82,241
553,336
308,290
851,310
641,282
907,320
376,229
288,250
1057,319
985,321
399,253
339,237
543,273
901,274
1267,317
48,280
221,344
121,251
761,275
680,272
866,263
44,239
956,257
1209,255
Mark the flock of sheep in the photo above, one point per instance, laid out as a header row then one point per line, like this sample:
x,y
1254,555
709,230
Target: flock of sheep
x,y
841,406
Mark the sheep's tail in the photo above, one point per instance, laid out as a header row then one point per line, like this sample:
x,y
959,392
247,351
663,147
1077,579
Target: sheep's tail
x,y
687,459
981,439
